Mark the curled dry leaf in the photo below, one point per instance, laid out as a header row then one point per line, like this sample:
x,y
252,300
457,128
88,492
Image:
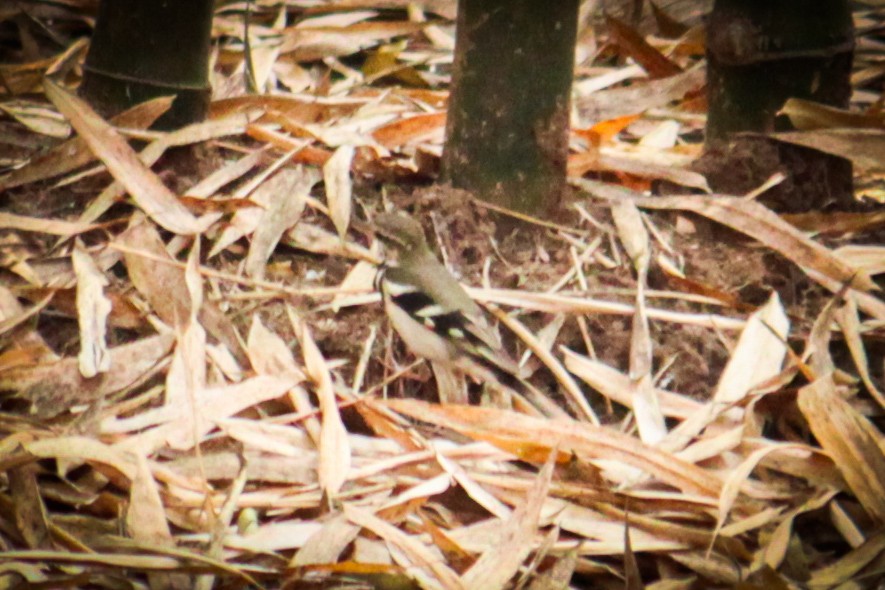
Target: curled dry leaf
x,y
339,187
92,313
290,186
759,354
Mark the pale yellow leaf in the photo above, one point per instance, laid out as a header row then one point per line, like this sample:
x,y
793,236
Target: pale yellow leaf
x,y
632,233
335,455
759,354
93,309
339,187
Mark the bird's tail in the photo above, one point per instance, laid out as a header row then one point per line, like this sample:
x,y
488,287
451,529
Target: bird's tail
x,y
526,397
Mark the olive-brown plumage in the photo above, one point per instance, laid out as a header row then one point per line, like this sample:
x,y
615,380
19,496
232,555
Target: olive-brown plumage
x,y
432,312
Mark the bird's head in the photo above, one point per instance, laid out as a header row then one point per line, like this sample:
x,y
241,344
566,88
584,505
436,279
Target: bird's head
x,y
400,233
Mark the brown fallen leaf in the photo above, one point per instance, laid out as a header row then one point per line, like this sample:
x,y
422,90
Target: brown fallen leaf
x,y
753,219
29,512
806,115
328,543
410,130
501,562
335,452
75,153
146,189
290,188
864,147
512,432
850,439
634,45
146,521
163,285
339,187
425,561
53,388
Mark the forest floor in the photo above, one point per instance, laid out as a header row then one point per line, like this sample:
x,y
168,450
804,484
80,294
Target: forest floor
x,y
200,388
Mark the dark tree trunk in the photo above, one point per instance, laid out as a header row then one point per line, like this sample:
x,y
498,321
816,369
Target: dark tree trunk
x,y
508,119
142,49
760,53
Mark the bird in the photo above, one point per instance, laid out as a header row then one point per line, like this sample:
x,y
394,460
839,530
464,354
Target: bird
x,y
436,318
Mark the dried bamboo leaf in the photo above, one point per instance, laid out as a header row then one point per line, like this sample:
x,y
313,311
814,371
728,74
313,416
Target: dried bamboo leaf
x,y
145,187
93,309
289,188
75,153
850,323
499,563
328,543
339,187
514,432
755,220
54,387
854,444
759,354
163,283
335,453
418,555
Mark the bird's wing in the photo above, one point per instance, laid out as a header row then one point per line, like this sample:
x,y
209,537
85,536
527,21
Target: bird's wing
x,y
436,300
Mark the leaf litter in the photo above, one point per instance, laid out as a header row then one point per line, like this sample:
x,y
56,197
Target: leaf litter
x,y
202,391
